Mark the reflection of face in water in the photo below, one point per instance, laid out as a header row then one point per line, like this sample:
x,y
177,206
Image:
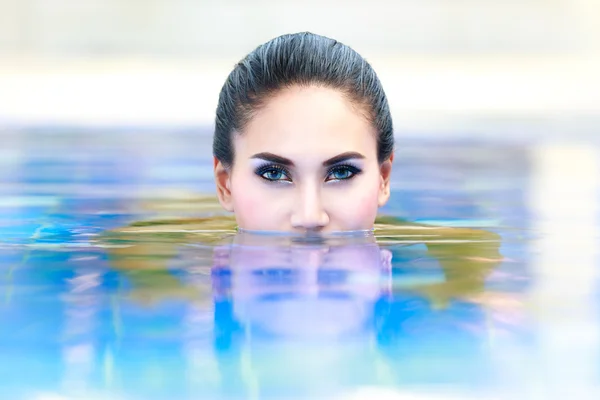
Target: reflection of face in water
x,y
305,289
284,308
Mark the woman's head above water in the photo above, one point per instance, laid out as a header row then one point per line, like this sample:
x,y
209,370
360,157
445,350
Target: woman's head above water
x,y
303,138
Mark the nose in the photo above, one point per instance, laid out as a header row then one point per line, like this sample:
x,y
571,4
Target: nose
x,y
309,214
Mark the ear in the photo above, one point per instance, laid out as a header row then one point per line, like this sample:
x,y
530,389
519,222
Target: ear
x,y
223,182
385,170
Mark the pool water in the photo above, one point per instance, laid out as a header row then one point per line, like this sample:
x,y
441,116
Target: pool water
x,y
121,278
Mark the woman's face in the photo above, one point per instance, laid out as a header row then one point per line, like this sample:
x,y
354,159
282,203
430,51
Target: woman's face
x,y
305,162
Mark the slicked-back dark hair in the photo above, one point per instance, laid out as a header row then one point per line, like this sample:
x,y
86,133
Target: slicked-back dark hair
x,y
299,59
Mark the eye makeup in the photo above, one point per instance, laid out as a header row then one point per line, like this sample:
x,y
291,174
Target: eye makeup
x,y
342,172
273,173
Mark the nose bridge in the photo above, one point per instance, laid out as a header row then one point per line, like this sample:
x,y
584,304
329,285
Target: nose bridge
x,y
309,213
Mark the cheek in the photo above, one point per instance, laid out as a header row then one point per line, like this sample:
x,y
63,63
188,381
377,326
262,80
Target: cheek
x,y
247,202
254,205
356,209
366,209
247,211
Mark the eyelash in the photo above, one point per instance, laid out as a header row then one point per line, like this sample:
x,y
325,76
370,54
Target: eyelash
x,y
344,167
261,171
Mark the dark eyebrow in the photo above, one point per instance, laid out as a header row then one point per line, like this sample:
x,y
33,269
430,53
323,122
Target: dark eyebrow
x,y
289,163
274,158
342,157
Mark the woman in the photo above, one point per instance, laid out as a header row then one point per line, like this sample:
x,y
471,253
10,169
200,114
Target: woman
x,y
304,143
303,138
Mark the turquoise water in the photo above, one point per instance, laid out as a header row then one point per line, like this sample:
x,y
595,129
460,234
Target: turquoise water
x,y
120,279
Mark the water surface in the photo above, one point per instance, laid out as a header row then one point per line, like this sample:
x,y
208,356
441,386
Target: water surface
x,y
120,277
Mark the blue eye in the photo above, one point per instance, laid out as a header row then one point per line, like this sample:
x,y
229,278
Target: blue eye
x,y
342,172
273,173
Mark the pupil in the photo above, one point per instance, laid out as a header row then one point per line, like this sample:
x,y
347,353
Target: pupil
x,y
341,174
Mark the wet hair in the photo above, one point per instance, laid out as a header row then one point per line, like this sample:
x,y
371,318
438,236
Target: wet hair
x,y
299,59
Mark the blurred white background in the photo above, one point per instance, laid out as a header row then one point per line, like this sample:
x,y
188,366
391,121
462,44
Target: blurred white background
x,y
502,68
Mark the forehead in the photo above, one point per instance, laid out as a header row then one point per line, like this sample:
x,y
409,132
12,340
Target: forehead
x,y
308,120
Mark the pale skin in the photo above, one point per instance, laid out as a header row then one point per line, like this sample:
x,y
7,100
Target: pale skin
x,y
306,162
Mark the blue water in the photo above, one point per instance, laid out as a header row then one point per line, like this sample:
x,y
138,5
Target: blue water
x,y
474,307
